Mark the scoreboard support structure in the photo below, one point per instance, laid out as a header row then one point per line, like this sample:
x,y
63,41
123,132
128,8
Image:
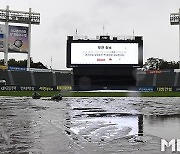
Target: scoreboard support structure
x,y
20,17
92,74
103,78
175,20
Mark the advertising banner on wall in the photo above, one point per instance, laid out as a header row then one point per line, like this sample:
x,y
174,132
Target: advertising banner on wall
x,y
27,88
18,39
2,38
15,68
2,67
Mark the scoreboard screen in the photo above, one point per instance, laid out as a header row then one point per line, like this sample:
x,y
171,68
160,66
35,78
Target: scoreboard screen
x,y
85,53
104,53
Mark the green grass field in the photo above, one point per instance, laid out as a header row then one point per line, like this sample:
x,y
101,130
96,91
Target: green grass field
x,y
91,94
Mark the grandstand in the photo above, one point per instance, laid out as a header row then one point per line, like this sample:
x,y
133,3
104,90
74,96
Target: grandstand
x,y
66,78
63,78
165,79
31,78
43,79
177,79
5,75
144,79
158,78
21,78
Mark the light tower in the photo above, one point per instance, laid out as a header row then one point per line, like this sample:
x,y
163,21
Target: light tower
x,y
11,16
175,20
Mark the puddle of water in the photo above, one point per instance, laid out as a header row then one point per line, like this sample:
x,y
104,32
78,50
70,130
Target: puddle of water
x,y
42,125
166,127
165,123
107,127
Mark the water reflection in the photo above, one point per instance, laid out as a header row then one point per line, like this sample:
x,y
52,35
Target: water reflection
x,y
96,124
117,125
15,127
140,125
85,124
163,126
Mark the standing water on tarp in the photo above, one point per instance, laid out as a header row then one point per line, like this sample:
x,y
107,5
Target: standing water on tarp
x,y
87,125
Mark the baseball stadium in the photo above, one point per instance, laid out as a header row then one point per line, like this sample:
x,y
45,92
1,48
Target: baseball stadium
x,y
95,74
105,102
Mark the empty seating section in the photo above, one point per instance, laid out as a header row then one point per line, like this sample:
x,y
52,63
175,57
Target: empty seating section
x,y
178,82
43,78
4,76
165,79
21,78
63,78
40,78
66,78
145,79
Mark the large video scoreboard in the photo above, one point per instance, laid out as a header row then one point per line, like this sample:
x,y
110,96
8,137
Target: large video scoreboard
x,y
105,52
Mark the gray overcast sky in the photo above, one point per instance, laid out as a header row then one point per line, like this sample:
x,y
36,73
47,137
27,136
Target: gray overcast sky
x,y
148,18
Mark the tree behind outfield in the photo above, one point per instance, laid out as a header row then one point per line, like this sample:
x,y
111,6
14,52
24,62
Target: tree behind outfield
x,y
159,64
23,63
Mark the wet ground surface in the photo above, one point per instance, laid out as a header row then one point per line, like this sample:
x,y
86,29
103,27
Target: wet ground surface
x,y
88,125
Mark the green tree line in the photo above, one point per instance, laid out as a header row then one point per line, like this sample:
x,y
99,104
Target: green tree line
x,y
160,64
23,63
150,64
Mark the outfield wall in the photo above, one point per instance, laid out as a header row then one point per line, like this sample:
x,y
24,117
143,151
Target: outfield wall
x,y
58,80
32,78
158,79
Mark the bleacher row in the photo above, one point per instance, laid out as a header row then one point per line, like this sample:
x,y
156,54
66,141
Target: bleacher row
x,y
36,78
159,79
66,78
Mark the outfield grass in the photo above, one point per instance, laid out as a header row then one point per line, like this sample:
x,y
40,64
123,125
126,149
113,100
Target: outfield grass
x,y
91,94
27,93
125,94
